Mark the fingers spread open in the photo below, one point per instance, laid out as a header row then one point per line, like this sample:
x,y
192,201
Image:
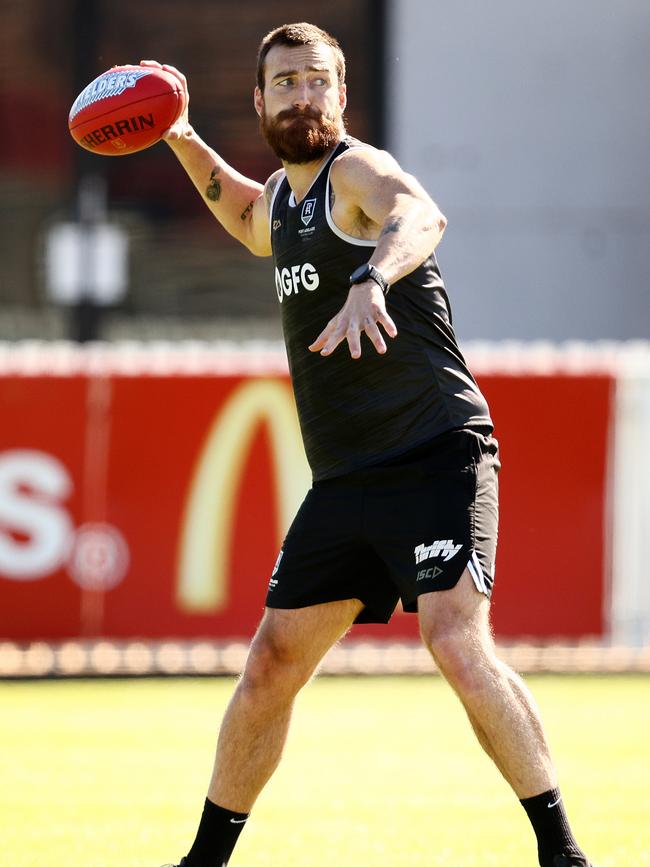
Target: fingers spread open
x,y
321,340
389,326
354,340
335,336
356,316
374,334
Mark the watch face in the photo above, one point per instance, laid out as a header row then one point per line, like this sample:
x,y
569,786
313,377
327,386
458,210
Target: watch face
x,y
360,274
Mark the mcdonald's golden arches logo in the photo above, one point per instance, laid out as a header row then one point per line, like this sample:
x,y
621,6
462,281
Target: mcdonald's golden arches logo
x,y
208,519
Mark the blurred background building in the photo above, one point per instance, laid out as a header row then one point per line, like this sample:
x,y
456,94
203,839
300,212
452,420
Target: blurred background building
x,y
186,276
526,122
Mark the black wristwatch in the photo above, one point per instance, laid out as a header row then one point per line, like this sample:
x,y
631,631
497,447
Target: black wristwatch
x,y
369,272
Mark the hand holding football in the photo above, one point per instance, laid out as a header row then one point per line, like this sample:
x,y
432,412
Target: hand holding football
x,y
181,123
129,108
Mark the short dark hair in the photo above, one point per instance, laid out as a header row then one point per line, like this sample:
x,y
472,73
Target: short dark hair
x,y
294,35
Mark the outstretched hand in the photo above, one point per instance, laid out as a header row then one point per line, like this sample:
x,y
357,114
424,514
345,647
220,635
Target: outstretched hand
x,y
182,123
363,310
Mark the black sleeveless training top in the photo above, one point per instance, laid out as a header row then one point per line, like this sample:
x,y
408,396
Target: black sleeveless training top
x,y
354,413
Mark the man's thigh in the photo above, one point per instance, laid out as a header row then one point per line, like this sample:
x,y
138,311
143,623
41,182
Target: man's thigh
x,y
304,635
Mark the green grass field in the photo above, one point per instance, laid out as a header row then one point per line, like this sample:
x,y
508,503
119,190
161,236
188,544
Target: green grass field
x,y
377,771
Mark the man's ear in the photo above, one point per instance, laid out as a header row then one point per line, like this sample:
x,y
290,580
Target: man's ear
x,y
343,96
258,101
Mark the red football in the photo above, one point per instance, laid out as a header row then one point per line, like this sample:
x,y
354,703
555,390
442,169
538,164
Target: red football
x,y
125,110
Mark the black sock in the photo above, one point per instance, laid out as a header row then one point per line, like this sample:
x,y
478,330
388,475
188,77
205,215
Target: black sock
x,y
216,837
551,825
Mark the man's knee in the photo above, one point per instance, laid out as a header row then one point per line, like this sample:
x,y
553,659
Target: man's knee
x,y
275,663
455,627
462,652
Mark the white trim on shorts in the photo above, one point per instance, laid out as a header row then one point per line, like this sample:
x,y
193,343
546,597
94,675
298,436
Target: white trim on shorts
x,y
475,570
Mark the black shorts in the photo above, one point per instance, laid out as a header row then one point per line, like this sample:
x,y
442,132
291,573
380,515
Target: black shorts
x,y
395,530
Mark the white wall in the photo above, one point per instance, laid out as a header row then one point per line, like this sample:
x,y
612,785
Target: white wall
x,y
528,123
630,602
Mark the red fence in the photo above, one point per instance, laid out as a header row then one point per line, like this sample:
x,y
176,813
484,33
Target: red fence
x,y
154,505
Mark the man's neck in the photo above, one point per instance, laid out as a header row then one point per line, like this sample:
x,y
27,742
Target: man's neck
x,y
302,176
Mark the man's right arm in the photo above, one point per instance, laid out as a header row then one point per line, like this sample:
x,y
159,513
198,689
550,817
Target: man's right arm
x,y
239,203
235,200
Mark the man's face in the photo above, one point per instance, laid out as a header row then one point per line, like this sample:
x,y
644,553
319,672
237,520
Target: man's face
x,y
301,109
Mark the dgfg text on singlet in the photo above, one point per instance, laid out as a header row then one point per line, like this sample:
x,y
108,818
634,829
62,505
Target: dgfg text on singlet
x,y
290,280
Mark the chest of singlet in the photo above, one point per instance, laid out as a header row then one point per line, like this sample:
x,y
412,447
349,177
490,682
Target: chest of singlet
x,y
354,413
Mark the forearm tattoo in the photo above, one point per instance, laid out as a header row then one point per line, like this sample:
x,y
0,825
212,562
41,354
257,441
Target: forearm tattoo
x,y
394,225
213,191
246,212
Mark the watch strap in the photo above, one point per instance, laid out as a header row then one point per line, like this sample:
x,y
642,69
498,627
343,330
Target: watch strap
x,y
371,273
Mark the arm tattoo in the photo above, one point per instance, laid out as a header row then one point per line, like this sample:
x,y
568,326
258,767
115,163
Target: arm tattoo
x,y
213,191
246,212
393,225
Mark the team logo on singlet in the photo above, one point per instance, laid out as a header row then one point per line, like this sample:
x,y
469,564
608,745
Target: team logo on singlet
x,y
308,208
289,281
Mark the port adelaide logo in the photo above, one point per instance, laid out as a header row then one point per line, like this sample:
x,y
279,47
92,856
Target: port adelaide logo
x,y
307,212
306,215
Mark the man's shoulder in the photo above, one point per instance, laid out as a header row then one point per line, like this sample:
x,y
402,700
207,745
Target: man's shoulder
x,y
271,186
359,159
274,179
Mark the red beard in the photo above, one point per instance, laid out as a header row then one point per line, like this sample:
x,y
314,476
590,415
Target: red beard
x,y
300,142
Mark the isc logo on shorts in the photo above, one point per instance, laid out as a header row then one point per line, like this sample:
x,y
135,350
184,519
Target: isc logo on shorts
x,y
431,572
289,281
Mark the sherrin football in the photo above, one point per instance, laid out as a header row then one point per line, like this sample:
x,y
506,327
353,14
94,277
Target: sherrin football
x,y
125,110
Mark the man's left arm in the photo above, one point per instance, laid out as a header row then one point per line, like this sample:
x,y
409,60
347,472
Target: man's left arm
x,y
407,224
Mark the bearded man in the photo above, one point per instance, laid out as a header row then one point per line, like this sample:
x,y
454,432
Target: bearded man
x,y
403,504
